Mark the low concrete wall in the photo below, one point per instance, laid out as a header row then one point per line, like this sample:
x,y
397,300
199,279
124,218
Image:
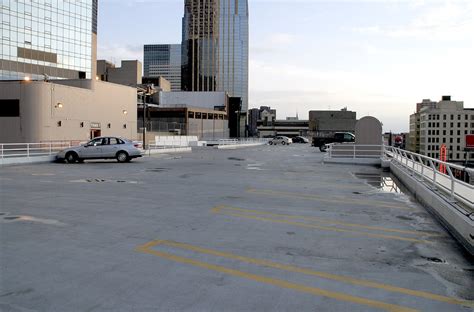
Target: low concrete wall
x,y
26,160
353,161
168,151
458,221
234,146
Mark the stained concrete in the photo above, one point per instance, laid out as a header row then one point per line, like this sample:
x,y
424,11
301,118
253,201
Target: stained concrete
x,y
268,228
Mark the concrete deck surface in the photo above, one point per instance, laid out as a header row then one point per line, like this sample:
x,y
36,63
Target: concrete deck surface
x,y
268,228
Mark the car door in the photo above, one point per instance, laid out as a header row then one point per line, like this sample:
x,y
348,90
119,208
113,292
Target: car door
x,y
92,149
111,149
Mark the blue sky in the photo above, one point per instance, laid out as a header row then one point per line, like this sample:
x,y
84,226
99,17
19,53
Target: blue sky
x,y
377,58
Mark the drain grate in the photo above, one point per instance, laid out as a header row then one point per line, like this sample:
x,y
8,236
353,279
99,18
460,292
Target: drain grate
x,y
434,259
11,218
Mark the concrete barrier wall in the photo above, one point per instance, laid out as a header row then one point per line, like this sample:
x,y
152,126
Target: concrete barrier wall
x,y
457,220
175,140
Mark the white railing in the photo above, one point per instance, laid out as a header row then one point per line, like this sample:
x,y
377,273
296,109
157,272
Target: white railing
x,y
354,151
241,141
12,150
427,169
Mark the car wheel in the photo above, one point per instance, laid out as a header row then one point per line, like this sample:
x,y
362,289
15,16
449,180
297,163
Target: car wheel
x,y
122,157
322,148
71,157
283,143
271,143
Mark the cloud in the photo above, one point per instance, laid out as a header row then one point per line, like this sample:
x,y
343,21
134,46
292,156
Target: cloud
x,y
274,43
117,52
447,21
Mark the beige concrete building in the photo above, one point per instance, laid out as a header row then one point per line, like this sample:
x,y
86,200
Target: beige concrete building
x,y
128,74
445,122
38,111
414,136
327,122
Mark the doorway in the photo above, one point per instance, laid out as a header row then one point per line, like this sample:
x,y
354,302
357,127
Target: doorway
x,y
95,133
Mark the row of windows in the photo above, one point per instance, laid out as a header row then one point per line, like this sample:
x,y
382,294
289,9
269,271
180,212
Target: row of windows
x,y
198,115
437,117
81,125
445,124
451,132
450,157
436,140
437,147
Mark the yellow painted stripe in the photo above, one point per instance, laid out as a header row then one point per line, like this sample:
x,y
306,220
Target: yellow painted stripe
x,y
325,199
278,282
291,268
376,228
327,228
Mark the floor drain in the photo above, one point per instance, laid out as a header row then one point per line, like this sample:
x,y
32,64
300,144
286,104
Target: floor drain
x,y
235,158
11,218
434,259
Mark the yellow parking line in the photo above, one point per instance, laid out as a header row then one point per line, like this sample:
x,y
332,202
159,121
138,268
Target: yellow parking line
x,y
325,199
326,228
146,248
273,281
376,228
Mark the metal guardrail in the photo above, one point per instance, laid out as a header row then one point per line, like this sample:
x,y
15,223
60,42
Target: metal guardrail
x,y
427,169
354,151
12,150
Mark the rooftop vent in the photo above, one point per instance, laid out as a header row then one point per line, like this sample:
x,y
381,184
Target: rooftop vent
x,y
446,98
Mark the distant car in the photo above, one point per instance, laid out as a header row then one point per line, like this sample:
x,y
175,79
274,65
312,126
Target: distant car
x,y
283,140
101,148
300,139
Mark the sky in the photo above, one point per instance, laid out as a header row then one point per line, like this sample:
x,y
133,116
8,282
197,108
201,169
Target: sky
x,y
377,58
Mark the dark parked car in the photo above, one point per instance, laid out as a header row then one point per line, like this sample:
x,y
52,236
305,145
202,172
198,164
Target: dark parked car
x,y
338,137
300,139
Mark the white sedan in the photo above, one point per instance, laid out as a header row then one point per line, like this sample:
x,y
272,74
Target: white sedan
x,y
101,148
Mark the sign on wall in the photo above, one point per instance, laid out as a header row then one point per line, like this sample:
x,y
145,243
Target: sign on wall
x,y
469,141
95,125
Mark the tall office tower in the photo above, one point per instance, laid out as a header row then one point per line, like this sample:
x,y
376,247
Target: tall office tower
x,y
48,39
163,60
233,69
215,47
200,45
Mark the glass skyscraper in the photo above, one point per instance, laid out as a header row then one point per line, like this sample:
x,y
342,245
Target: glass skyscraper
x,y
53,39
163,60
215,47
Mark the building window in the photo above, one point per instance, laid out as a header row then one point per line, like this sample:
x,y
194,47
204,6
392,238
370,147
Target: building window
x,y
459,117
9,108
109,125
444,140
459,132
458,140
59,123
451,132
190,114
81,124
444,117
444,132
125,126
459,125
452,117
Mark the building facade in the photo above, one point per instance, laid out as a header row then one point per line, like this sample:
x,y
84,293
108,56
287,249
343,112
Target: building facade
x,y
414,135
215,49
128,74
323,123
67,110
447,122
48,39
163,60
